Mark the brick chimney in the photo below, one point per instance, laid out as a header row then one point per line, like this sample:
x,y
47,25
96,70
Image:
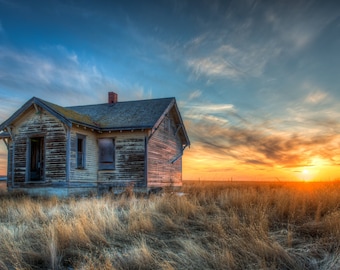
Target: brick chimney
x,y
113,97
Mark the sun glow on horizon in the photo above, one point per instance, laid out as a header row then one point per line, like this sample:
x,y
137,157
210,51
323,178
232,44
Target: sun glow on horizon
x,y
307,176
200,164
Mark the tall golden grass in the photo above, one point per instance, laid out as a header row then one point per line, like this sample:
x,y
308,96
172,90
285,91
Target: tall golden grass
x,y
213,226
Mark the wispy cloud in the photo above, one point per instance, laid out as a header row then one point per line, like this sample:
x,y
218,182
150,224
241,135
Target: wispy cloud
x,y
267,32
207,118
211,108
40,72
59,76
228,60
195,94
70,55
8,105
299,24
138,91
212,114
213,66
316,97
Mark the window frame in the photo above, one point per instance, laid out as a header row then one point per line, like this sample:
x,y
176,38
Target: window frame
x,y
102,164
81,165
42,157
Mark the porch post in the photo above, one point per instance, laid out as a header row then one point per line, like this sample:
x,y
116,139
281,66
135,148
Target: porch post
x,y
68,152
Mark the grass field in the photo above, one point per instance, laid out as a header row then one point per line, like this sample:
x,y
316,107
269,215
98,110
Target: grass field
x,y
212,226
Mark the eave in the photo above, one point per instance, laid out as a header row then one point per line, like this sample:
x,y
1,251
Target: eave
x,y
182,127
4,135
126,128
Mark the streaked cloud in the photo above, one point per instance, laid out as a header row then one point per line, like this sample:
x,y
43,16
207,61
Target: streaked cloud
x,y
39,72
295,32
207,118
8,105
240,51
62,75
70,55
213,66
139,92
212,108
228,60
195,94
259,145
316,97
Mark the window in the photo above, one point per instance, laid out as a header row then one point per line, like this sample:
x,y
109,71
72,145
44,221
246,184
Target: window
x,y
106,154
81,146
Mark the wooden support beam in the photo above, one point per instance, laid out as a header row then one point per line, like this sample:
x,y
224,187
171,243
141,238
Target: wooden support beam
x,y
9,130
178,128
176,158
37,110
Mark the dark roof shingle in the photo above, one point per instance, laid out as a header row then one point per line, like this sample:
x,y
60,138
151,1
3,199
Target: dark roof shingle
x,y
124,115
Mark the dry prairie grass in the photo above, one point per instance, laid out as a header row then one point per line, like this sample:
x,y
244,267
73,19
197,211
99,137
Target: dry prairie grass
x,y
214,226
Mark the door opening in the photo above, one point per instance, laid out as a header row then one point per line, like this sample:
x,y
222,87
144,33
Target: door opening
x,y
37,159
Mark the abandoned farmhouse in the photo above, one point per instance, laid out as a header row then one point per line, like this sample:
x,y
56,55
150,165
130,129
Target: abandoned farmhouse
x,y
55,150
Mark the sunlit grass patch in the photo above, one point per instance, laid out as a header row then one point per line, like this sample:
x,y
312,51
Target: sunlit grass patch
x,y
218,226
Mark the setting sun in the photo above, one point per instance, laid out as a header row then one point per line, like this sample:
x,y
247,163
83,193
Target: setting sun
x,y
306,175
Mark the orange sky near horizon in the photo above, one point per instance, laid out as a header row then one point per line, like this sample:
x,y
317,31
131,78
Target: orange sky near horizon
x,y
3,158
198,166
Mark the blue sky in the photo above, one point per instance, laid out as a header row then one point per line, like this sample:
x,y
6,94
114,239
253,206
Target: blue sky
x,y
257,82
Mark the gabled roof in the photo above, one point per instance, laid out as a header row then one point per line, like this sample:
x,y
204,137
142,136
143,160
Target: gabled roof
x,y
128,115
141,114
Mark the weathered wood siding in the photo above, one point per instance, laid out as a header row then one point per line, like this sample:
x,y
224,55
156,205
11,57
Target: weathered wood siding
x,y
9,163
165,146
41,124
129,158
89,172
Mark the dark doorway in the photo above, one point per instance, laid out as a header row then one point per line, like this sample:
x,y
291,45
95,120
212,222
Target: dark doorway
x,y
37,159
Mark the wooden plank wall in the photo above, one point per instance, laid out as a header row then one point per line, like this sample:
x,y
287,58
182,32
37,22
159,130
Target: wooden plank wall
x,y
89,173
9,164
163,147
129,157
42,124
